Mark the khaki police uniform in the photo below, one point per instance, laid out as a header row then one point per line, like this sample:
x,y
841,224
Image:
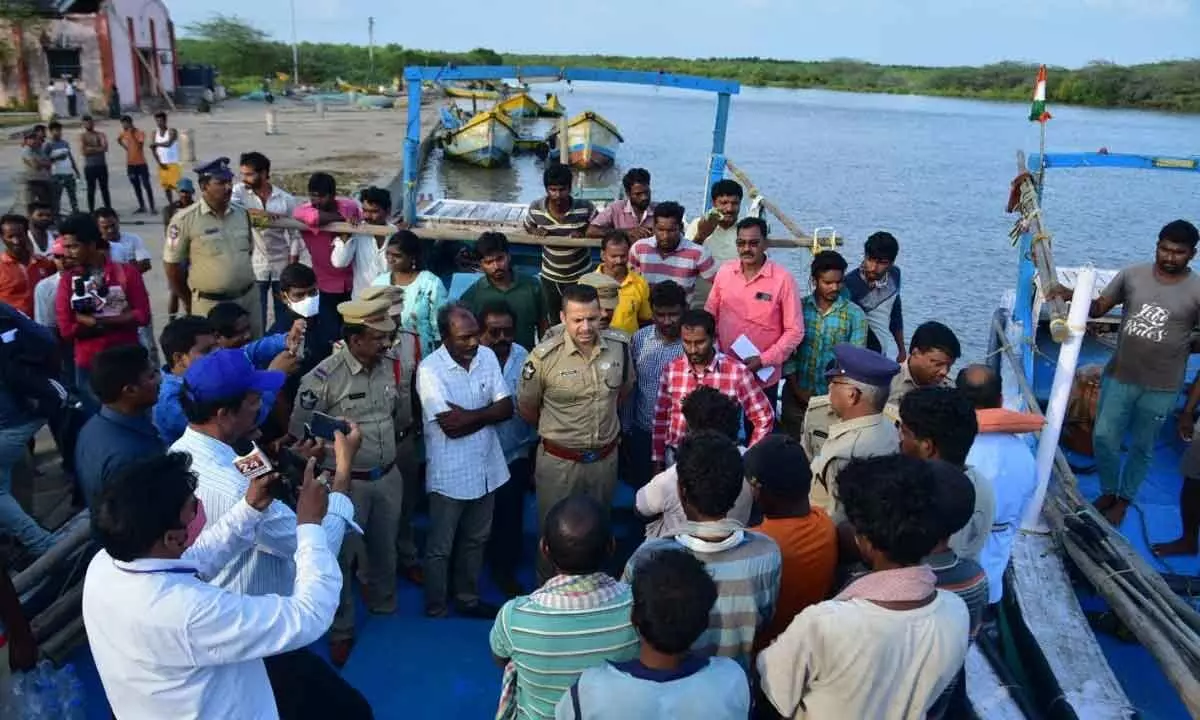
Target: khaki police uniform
x,y
818,418
864,437
576,396
343,387
217,250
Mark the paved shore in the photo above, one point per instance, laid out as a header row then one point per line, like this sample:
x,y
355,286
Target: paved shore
x,y
359,147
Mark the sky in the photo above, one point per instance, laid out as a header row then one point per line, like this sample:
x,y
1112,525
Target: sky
x,y
914,32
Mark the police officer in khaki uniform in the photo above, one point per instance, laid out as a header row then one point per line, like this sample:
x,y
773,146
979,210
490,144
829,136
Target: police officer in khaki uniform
x,y
932,353
207,252
858,388
570,388
404,356
358,383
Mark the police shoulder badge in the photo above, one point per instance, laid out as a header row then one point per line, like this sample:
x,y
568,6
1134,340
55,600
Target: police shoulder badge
x,y
173,235
308,399
528,370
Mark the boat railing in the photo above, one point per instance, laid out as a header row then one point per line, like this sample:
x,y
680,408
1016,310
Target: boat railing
x,y
1162,621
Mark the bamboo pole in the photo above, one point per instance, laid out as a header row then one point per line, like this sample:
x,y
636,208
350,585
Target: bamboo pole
x,y
63,547
1043,255
60,645
57,615
775,210
470,232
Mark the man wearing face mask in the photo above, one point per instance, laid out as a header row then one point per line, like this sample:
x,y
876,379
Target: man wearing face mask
x,y
357,383
203,650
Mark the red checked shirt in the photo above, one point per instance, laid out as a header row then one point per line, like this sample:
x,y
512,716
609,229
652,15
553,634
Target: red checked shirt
x,y
725,374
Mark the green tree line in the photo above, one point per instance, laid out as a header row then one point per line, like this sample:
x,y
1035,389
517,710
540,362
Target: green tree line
x,y
241,51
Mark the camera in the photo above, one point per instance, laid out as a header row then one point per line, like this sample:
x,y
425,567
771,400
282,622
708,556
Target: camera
x,y
83,301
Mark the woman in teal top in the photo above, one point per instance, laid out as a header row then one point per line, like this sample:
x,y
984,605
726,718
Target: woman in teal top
x,y
423,294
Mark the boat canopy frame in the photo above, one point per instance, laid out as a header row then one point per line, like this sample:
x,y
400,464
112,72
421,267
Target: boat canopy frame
x,y
1038,163
415,75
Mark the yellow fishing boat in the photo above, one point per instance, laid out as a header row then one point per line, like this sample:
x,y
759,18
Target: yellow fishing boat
x,y
469,93
592,141
486,140
522,105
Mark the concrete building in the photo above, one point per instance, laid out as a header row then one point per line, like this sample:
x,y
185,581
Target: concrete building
x,y
126,46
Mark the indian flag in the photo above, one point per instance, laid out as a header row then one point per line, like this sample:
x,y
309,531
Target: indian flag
x,y
1038,113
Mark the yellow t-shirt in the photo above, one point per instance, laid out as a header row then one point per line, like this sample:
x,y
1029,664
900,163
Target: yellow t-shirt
x,y
633,303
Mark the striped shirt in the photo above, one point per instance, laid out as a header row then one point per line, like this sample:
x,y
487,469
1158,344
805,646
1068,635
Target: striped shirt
x,y
963,577
269,568
552,637
746,568
562,264
651,353
843,322
684,264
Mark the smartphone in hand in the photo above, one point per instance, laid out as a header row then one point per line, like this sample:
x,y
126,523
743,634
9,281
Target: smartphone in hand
x,y
323,426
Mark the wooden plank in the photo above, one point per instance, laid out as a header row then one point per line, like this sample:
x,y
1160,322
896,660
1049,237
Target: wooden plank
x,y
1050,609
989,697
340,228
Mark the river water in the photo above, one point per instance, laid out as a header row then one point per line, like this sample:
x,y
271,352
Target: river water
x,y
935,172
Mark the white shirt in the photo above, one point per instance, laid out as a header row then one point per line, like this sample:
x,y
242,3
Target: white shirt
x,y
1008,464
168,155
267,567
364,254
855,659
660,497
169,645
51,236
128,248
469,467
45,294
721,243
272,247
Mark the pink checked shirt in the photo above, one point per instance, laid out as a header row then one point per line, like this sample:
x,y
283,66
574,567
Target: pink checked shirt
x,y
330,279
765,308
725,374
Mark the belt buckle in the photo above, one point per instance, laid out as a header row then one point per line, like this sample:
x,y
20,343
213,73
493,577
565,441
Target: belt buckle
x,y
588,456
375,474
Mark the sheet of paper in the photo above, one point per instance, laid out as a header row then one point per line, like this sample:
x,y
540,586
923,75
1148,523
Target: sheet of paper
x,y
744,348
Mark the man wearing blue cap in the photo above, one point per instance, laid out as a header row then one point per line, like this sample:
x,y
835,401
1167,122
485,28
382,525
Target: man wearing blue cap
x,y
221,396
208,248
859,380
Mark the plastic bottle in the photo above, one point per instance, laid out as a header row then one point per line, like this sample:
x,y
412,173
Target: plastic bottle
x,y
70,695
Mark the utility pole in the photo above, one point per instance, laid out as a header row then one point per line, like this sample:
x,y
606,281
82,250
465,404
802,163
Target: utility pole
x,y
295,48
370,49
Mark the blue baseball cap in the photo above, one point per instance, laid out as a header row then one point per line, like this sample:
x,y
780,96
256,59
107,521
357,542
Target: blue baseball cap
x,y
226,374
865,366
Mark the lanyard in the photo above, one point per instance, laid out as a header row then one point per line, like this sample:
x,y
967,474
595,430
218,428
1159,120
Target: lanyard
x,y
160,571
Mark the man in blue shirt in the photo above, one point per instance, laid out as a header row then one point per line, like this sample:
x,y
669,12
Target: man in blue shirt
x,y
127,384
183,341
18,423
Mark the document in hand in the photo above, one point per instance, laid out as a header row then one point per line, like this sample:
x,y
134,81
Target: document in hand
x,y
743,348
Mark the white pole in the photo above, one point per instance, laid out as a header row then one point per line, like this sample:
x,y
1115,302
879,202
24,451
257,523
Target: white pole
x,y
1060,395
295,49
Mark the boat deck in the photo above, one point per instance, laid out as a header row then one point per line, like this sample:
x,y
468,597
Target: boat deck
x,y
1153,518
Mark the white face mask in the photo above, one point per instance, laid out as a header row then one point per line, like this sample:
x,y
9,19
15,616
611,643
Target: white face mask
x,y
307,307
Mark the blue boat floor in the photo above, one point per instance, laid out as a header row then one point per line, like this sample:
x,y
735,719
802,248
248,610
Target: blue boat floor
x,y
411,666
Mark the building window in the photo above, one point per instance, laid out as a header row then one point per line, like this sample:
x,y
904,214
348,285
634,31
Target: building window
x,y
63,61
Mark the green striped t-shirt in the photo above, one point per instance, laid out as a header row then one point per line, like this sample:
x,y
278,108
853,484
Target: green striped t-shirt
x,y
552,646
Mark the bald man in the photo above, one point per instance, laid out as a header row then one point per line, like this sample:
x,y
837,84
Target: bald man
x,y
578,619
1003,455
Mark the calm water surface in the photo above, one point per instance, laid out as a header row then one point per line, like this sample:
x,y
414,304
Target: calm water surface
x,y
935,172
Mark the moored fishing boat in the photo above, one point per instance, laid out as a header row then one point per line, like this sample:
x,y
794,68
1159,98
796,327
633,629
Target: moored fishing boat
x,y
592,141
486,139
522,105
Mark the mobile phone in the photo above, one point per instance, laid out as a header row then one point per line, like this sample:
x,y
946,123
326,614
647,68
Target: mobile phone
x,y
323,426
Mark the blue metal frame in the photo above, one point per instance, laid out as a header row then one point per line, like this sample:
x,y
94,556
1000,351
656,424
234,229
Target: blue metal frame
x,y
1023,307
415,75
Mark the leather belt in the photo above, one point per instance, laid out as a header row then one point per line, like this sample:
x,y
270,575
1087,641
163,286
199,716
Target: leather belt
x,y
373,474
580,456
224,297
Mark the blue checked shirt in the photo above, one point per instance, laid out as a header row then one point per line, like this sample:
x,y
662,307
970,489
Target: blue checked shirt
x,y
651,353
843,322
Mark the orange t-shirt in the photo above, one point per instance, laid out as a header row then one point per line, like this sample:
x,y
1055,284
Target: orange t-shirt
x,y
809,548
135,146
17,281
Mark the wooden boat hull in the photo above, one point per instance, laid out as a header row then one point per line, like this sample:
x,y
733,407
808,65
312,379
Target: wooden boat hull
x,y
520,106
592,142
486,140
469,93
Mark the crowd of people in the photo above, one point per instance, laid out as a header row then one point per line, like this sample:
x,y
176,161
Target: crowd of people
x,y
311,393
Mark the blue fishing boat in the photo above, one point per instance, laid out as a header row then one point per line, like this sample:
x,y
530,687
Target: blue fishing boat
x,y
1116,625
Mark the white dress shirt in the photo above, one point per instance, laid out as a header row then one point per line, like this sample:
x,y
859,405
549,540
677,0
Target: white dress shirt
x,y
361,251
266,568
469,467
272,247
169,645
